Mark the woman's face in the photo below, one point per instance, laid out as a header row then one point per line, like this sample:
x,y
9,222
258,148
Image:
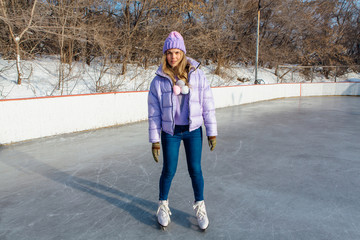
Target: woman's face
x,y
173,56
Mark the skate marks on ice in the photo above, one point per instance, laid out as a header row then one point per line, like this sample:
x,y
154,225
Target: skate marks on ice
x,y
70,203
295,175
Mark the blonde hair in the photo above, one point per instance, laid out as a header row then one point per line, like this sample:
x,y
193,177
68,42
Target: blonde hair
x,y
181,71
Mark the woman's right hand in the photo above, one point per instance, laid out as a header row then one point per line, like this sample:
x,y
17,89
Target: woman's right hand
x,y
155,148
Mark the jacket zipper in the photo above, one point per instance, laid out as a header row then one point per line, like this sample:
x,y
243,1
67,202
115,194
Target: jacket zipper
x,y
190,96
172,107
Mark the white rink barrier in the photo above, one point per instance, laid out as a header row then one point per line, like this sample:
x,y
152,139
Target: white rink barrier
x,y
25,119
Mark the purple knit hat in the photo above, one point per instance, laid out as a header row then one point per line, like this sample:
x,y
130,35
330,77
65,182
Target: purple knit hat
x,y
174,40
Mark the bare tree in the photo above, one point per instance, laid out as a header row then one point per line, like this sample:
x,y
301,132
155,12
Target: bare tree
x,y
17,28
323,32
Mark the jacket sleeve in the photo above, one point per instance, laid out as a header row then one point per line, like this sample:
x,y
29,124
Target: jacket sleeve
x,y
154,114
208,106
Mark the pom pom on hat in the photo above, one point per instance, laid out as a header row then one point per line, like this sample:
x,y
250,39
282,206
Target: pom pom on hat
x,y
174,40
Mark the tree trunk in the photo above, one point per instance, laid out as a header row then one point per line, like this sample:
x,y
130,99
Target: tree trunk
x,y
218,66
18,59
125,60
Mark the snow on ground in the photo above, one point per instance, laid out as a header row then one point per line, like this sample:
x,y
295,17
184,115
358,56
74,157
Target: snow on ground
x,y
41,77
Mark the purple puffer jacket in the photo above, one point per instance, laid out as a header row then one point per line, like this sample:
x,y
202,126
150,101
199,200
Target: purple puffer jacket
x,y
161,111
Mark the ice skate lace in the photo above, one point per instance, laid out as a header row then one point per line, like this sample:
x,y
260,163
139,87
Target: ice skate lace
x,y
164,210
200,210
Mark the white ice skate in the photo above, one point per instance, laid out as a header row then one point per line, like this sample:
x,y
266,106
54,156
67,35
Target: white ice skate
x,y
201,214
163,214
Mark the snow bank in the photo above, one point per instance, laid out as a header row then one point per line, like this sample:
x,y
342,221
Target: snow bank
x,y
41,77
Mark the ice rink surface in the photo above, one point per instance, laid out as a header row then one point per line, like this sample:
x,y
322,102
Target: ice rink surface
x,y
282,169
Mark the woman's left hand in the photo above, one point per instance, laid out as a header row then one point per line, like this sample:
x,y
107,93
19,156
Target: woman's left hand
x,y
155,149
212,142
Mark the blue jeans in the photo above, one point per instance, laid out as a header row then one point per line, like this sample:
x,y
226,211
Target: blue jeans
x,y
193,147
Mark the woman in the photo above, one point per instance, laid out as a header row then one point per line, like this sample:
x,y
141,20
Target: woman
x,y
179,102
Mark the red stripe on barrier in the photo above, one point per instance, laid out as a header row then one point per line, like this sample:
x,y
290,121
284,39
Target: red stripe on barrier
x,y
93,94
270,84
63,96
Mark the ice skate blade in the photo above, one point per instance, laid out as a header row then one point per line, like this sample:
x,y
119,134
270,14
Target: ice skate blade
x,y
204,230
163,228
